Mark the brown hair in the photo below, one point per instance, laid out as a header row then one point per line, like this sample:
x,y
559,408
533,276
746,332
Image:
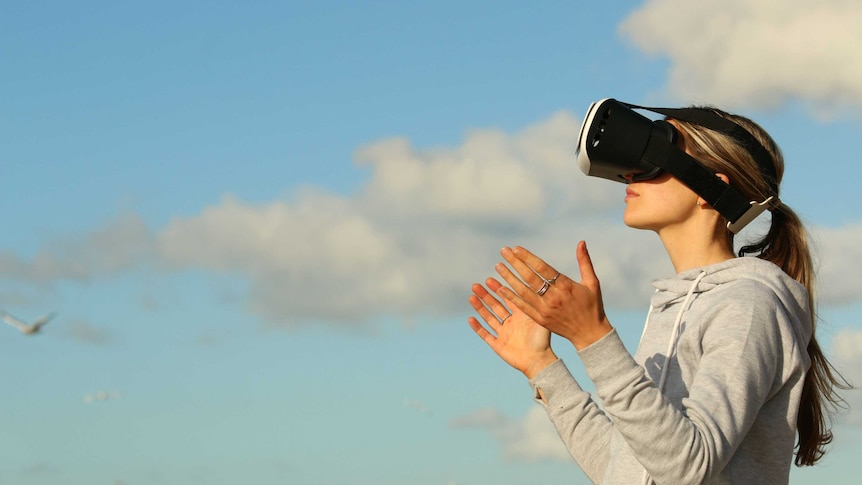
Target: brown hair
x,y
786,245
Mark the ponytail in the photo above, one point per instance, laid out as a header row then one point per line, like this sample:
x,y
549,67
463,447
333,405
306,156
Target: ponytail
x,y
786,245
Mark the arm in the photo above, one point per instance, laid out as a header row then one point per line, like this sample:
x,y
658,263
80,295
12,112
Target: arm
x,y
526,346
582,426
741,351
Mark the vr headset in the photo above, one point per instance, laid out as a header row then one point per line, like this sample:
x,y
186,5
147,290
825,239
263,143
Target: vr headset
x,y
619,144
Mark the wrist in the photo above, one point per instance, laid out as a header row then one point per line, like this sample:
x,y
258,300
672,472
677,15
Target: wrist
x,y
583,341
539,364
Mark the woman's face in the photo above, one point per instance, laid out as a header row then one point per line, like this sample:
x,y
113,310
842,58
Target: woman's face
x,y
658,203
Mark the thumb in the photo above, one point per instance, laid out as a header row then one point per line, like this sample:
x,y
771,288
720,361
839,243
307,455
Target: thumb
x,y
588,274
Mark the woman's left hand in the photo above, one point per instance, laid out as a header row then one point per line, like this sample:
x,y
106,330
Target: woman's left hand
x,y
572,310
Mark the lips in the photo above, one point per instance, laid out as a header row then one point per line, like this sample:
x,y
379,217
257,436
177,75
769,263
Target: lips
x,y
630,193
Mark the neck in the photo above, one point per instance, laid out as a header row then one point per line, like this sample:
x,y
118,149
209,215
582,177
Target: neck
x,y
692,246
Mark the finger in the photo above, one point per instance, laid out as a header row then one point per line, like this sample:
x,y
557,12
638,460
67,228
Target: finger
x,y
515,282
498,309
512,298
482,332
526,272
483,312
543,270
497,287
494,286
585,263
488,307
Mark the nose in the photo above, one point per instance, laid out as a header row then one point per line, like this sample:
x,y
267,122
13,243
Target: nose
x,y
629,177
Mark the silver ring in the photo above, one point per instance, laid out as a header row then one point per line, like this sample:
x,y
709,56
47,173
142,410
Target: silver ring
x,y
544,288
505,318
554,279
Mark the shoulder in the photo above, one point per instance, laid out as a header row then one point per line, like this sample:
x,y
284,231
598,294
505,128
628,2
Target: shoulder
x,y
745,291
752,307
754,281
740,303
737,298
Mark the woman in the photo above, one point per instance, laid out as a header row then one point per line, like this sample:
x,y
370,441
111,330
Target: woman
x,y
728,371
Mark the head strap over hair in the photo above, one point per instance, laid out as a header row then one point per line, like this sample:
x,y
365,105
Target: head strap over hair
x,y
709,119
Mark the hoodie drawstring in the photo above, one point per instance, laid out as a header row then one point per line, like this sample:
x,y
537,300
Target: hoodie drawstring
x,y
671,345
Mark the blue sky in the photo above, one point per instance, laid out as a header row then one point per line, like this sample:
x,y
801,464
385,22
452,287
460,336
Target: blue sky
x,y
258,224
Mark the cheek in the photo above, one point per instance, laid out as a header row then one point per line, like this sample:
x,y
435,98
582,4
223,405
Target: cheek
x,y
676,198
659,207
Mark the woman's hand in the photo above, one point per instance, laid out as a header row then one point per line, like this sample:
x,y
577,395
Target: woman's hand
x,y
516,338
572,310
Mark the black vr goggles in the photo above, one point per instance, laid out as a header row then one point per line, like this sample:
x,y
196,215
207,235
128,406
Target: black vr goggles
x,y
616,142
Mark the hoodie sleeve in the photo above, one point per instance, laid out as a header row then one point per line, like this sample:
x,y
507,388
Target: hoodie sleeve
x,y
742,351
581,424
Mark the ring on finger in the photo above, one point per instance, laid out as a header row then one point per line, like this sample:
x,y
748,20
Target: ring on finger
x,y
505,318
554,279
544,288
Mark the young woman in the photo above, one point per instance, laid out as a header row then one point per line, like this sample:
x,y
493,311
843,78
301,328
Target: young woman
x,y
728,371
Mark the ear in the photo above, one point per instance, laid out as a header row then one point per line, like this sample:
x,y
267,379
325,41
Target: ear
x,y
701,202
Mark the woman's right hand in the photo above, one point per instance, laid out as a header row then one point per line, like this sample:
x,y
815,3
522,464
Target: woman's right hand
x,y
519,341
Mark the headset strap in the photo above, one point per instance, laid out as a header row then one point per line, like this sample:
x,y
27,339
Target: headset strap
x,y
711,120
728,201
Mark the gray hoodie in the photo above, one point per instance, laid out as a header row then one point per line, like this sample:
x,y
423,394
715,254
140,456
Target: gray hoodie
x,y
737,333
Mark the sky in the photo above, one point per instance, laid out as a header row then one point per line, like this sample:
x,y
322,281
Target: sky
x,y
257,223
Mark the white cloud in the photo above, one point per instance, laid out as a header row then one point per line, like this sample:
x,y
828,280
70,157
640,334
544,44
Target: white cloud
x,y
738,52
838,252
846,355
123,244
492,176
404,251
428,224
529,439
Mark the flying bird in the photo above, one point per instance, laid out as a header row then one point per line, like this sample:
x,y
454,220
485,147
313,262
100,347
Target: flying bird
x,y
27,328
102,396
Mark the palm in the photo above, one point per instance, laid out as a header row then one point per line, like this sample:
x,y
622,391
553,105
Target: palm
x,y
519,341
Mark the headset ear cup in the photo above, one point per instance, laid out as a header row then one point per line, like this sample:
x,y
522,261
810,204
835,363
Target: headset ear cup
x,y
661,130
667,130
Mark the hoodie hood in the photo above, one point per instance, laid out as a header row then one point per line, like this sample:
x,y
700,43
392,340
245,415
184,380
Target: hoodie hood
x,y
792,294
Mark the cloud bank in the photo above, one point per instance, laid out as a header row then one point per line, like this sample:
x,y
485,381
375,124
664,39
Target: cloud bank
x,y
756,54
846,355
529,439
428,223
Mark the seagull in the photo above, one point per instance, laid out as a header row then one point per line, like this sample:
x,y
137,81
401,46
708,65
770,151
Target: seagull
x,y
417,405
102,396
27,328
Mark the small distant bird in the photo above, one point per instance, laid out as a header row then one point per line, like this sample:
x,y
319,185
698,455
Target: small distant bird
x,y
417,405
102,396
27,328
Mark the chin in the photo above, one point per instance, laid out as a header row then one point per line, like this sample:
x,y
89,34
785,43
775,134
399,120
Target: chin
x,y
636,223
631,220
